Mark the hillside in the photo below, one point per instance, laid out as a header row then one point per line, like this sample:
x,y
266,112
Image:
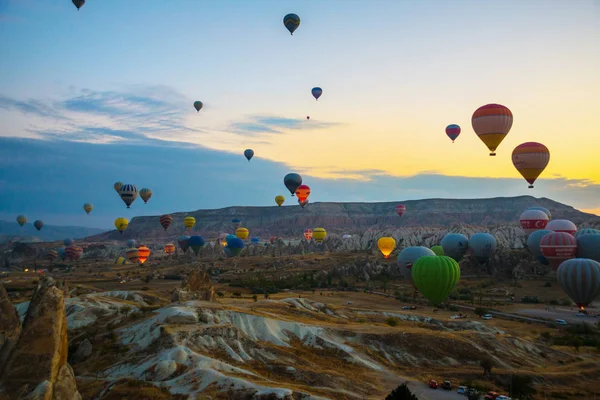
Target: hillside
x,y
10,230
350,217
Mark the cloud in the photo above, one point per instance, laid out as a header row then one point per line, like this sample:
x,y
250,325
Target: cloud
x,y
31,106
257,125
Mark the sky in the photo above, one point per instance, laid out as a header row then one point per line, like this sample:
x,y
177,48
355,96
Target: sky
x,y
105,94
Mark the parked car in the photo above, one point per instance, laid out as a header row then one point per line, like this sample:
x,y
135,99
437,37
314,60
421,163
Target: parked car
x,y
503,397
406,308
433,384
471,392
580,314
447,385
487,316
491,396
561,322
462,390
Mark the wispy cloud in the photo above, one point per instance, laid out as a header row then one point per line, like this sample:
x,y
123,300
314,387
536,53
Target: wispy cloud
x,y
30,106
257,125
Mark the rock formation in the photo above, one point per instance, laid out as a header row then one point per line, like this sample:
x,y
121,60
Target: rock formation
x,y
37,367
10,327
198,286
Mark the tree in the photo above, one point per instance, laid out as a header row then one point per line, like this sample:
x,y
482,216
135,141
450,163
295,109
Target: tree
x,y
480,311
473,395
487,364
402,392
521,387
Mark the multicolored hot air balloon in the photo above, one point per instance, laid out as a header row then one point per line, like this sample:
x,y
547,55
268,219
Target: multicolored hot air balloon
x,y
303,203
236,222
435,277
121,260
165,221
131,243
302,193
308,233
530,159
438,250
533,220
248,153
78,3
38,224
292,182
88,207
316,92
562,225
533,244
455,245
128,194
242,233
73,252
68,242
580,279
386,245
183,242
586,231
189,222
121,224
453,131
223,239
279,200
51,255
482,246
492,123
118,186
145,194
400,209
230,237
198,105
143,254
133,255
196,242
408,256
588,246
21,220
557,247
169,248
548,213
291,22
319,234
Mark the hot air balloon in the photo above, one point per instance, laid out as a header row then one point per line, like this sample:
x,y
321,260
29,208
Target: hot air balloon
x,y
234,247
438,250
308,233
143,253
533,244
198,105
38,224
558,247
128,194
400,209
316,92
492,123
196,243
273,239
255,240
51,255
78,3
455,245
533,220
302,193
68,242
145,194
230,237
248,153
165,221
223,239
386,245
242,233
279,200
21,220
88,208
292,182
133,255
453,131
131,243
189,222
588,246
118,186
120,260
562,225
580,279
121,224
303,203
435,277
346,237
482,246
408,256
542,209
72,252
530,159
169,248
236,223
61,253
183,242
319,234
586,231
291,22
308,117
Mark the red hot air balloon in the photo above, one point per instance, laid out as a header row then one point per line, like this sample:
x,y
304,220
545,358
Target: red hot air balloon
x,y
492,123
302,192
308,117
143,254
562,225
308,234
453,131
557,247
165,221
530,159
400,209
533,220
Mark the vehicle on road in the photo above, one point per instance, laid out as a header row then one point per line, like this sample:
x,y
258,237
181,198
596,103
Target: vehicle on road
x,y
487,316
433,384
561,322
447,385
580,315
462,390
491,396
503,397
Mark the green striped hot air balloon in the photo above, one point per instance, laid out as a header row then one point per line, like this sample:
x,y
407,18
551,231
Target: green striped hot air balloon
x,y
435,277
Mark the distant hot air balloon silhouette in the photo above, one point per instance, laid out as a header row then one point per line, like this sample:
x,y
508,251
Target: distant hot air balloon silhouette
x,y
118,186
492,123
38,224
198,105
316,92
169,248
78,3
183,242
88,208
291,22
196,243
308,117
400,209
131,243
21,220
279,199
453,131
530,159
249,153
292,182
189,222
165,221
121,224
51,255
145,194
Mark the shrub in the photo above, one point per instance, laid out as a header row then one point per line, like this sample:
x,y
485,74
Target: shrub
x,y
236,294
145,288
566,302
553,302
391,321
254,298
547,284
220,294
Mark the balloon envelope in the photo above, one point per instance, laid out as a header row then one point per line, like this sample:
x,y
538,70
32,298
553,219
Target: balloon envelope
x,y
21,220
145,194
588,246
455,245
118,186
128,194
88,207
586,231
580,279
400,209
319,234
165,221
557,247
196,242
198,105
242,233
68,242
183,242
317,92
533,220
562,225
291,22
248,153
143,254
121,224
482,246
302,192
38,224
408,256
530,159
386,245
492,123
453,131
279,200
435,277
292,182
189,222
308,233
438,250
542,209
131,243
533,244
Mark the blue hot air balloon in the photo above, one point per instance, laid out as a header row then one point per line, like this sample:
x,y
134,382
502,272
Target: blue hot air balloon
x,y
291,22
248,153
255,240
196,242
533,244
588,246
317,92
236,223
229,238
482,246
408,256
131,243
68,242
455,245
183,242
235,246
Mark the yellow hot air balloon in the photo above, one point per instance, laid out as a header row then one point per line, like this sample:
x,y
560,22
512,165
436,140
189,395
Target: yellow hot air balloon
x,y
118,185
145,194
279,199
319,234
492,123
120,260
169,248
21,220
189,222
242,233
121,224
386,245
88,207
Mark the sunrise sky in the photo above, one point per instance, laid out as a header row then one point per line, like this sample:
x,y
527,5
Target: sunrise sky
x,y
116,80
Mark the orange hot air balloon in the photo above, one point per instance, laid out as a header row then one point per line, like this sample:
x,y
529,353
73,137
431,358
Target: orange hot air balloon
x,y
133,255
308,234
530,159
169,248
302,193
492,123
143,253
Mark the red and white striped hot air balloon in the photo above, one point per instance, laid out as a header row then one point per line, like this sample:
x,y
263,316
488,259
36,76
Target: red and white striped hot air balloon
x,y
533,220
400,209
562,225
492,123
530,159
557,247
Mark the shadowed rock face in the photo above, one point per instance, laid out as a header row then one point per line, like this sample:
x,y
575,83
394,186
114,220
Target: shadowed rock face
x,y
350,217
10,327
37,366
